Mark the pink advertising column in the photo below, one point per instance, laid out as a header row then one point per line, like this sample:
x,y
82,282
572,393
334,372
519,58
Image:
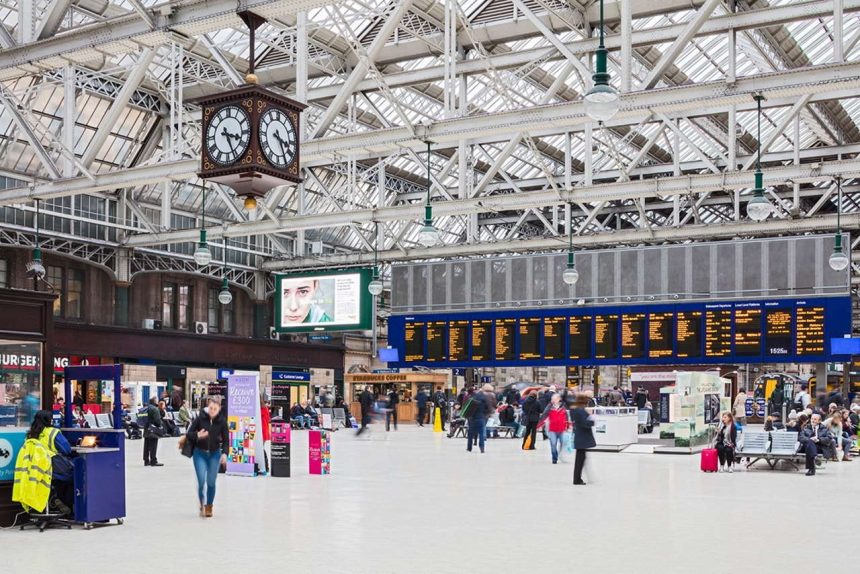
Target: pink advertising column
x,y
319,452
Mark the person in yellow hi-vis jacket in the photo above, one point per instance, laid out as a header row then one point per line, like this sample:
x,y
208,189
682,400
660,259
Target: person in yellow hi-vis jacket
x,y
41,464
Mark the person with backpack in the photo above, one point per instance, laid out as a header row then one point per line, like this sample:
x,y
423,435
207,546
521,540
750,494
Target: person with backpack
x,y
558,417
477,409
802,399
441,402
391,412
153,430
531,416
421,402
366,401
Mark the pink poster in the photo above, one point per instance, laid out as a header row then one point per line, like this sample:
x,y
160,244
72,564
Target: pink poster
x,y
319,452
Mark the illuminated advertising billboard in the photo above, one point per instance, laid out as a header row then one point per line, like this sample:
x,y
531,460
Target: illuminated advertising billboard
x,y
323,301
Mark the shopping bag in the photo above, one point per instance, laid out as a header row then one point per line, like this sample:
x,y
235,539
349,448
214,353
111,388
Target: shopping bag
x,y
567,441
709,460
521,431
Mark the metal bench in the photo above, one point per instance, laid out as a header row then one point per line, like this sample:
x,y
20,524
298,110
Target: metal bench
x,y
91,420
755,447
103,421
783,446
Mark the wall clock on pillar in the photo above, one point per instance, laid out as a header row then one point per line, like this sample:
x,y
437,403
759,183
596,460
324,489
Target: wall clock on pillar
x,y
250,135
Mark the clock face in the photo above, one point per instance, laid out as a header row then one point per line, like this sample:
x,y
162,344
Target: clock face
x,y
228,135
278,138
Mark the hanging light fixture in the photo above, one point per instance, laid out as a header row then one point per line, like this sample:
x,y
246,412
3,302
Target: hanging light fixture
x,y
759,208
375,286
35,267
838,259
601,101
202,256
429,235
570,275
224,296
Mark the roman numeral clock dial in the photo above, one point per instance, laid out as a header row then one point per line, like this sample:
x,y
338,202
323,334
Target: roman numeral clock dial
x,y
278,138
228,135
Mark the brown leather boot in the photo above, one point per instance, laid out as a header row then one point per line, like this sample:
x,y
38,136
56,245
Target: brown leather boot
x,y
208,510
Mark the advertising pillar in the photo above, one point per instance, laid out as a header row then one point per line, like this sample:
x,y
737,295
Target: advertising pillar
x,y
280,448
319,451
243,416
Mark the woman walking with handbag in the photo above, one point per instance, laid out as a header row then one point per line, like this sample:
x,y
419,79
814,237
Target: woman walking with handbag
x,y
583,437
209,435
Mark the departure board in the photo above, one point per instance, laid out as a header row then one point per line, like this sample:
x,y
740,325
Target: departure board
x,y
633,335
747,332
481,339
718,333
580,337
810,330
777,335
660,335
605,336
415,335
688,334
436,341
505,339
530,338
553,337
763,330
458,331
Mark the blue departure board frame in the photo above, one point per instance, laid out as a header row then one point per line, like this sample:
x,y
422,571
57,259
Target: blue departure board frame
x,y
836,314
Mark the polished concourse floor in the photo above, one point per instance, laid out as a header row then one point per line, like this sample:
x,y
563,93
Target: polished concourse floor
x,y
416,502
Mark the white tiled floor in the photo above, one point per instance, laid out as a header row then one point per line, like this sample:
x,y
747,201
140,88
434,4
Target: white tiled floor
x,y
416,502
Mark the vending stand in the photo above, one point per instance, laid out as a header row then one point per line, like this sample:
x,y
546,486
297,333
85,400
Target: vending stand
x,y
99,470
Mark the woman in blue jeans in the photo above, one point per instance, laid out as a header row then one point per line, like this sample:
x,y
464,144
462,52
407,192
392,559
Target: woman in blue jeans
x,y
209,434
557,416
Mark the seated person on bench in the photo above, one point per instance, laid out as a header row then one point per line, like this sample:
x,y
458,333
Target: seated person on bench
x,y
43,469
815,439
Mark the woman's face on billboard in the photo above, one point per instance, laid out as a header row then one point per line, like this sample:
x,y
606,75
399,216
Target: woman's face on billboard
x,y
298,296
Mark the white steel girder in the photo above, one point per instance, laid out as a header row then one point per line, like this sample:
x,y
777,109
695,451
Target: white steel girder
x,y
617,238
637,189
127,33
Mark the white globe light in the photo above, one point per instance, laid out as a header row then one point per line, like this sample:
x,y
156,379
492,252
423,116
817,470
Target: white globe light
x,y
225,297
759,208
570,275
202,256
36,268
838,260
601,103
375,287
428,236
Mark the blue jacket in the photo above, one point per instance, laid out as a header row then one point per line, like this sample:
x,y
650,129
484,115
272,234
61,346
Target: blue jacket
x,y
583,437
421,399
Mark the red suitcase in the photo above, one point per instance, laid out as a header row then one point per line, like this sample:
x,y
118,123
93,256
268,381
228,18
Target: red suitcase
x,y
709,460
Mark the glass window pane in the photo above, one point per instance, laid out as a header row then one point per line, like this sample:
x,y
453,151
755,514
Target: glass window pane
x,y
228,316
74,294
54,277
20,370
4,273
214,314
168,291
184,316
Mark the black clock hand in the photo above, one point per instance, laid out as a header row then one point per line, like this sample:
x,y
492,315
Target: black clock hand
x,y
282,142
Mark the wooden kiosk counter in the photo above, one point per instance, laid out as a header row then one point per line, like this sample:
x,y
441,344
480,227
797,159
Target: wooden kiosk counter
x,y
407,384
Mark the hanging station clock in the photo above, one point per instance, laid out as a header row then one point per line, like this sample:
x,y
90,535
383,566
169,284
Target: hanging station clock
x,y
250,136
